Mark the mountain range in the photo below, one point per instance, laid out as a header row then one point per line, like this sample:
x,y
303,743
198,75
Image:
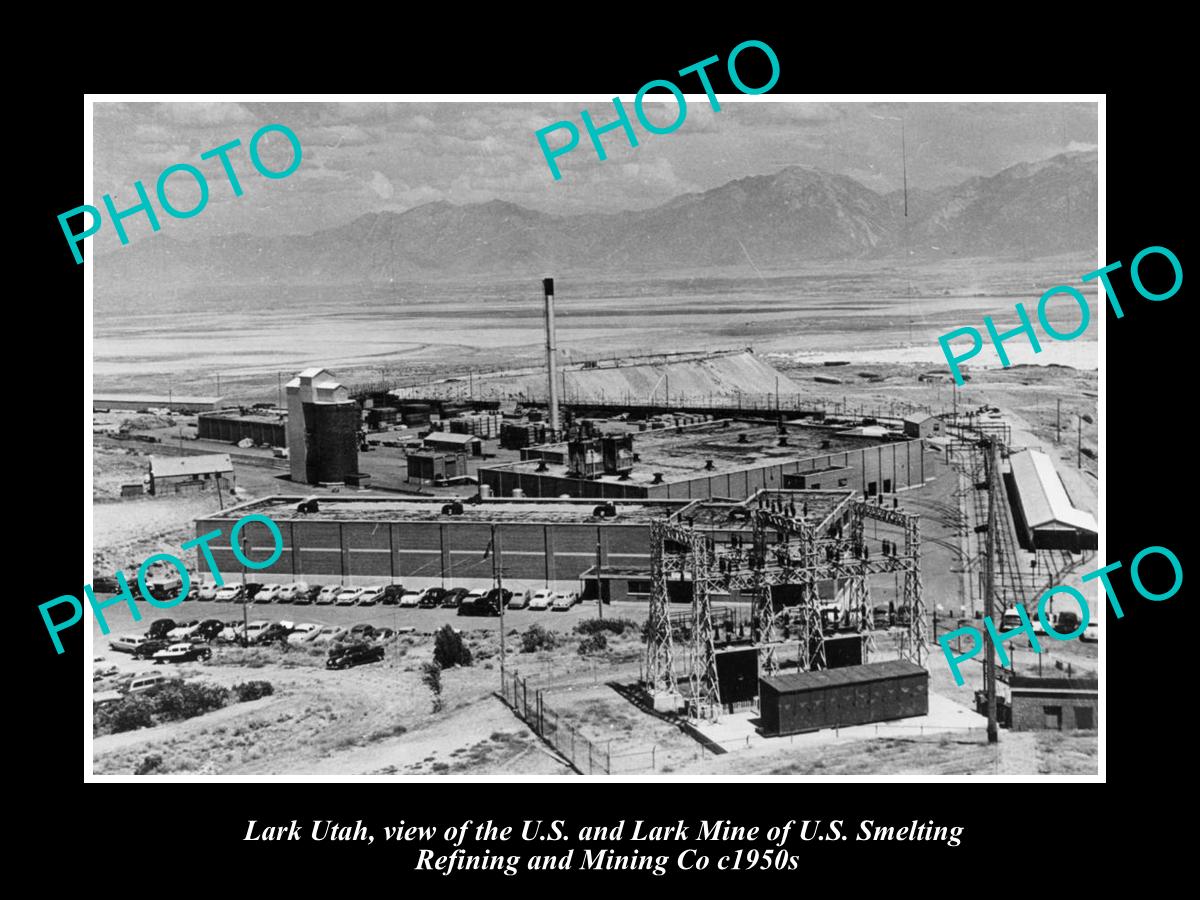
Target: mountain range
x,y
772,222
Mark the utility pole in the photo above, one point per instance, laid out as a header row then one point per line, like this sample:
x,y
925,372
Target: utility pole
x,y
1079,445
989,661
279,381
245,599
496,573
1058,421
599,584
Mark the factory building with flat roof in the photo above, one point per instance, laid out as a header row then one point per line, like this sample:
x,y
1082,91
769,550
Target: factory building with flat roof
x,y
364,539
727,458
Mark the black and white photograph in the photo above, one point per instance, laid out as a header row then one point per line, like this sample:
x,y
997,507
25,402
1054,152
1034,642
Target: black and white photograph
x,y
680,436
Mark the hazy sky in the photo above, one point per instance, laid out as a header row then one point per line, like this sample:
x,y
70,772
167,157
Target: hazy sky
x,y
369,157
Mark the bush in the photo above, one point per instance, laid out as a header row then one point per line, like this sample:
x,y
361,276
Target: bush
x,y
538,638
130,713
593,643
148,765
182,700
431,674
449,649
253,690
612,626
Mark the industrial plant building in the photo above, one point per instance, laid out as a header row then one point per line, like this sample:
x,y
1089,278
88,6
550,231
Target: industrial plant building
x,y
322,429
364,539
266,428
1054,704
1044,516
725,458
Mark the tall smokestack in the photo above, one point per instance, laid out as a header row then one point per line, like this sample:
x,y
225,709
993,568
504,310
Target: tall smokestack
x,y
551,355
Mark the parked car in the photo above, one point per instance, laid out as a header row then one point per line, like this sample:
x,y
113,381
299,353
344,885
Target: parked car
x,y
392,594
160,628
350,596
230,593
290,592
504,593
1011,619
184,630
177,653
146,682
384,635
105,584
353,655
361,630
450,602
252,589
306,597
370,595
269,593
209,629
329,633
231,632
1066,622
328,594
101,672
433,597
276,632
410,599
541,599
564,600
479,606
127,643
303,633
207,591
254,629
1091,634
520,600
147,649
454,596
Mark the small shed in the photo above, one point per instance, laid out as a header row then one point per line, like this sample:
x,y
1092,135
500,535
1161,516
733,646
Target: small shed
x,y
450,442
923,425
854,695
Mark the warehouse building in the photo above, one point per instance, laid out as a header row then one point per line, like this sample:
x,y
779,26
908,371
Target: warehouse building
x,y
173,402
726,458
1044,516
323,429
451,442
838,698
436,468
265,428
364,539
187,474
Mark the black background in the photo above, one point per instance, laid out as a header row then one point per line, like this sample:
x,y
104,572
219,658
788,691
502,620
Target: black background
x,y
1148,385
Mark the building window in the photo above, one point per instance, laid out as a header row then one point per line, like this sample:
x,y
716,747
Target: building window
x,y
841,482
1085,718
639,587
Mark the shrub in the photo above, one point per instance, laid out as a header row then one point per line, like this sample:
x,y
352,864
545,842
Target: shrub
x,y
131,713
538,638
612,626
253,690
431,674
183,700
593,643
148,765
449,649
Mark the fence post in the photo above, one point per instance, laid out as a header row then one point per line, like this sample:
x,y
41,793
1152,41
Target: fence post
x,y
525,698
589,757
653,767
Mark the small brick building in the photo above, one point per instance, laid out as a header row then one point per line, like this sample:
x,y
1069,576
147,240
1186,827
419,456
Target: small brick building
x,y
1055,704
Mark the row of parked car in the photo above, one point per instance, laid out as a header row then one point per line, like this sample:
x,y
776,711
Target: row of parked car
x,y
480,601
169,641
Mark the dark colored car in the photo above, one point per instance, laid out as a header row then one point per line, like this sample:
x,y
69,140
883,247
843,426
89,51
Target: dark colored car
x,y
252,588
105,584
480,606
353,655
495,592
391,594
160,628
309,596
275,632
147,649
361,631
454,597
433,598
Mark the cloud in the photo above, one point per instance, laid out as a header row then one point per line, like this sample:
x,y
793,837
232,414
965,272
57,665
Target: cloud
x,y
205,113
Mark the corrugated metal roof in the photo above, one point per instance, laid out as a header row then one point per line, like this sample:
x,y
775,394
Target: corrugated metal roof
x,y
1043,498
918,418
167,466
807,681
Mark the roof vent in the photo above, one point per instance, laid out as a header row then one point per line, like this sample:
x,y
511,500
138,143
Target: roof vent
x,y
657,478
741,437
708,465
783,440
542,467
